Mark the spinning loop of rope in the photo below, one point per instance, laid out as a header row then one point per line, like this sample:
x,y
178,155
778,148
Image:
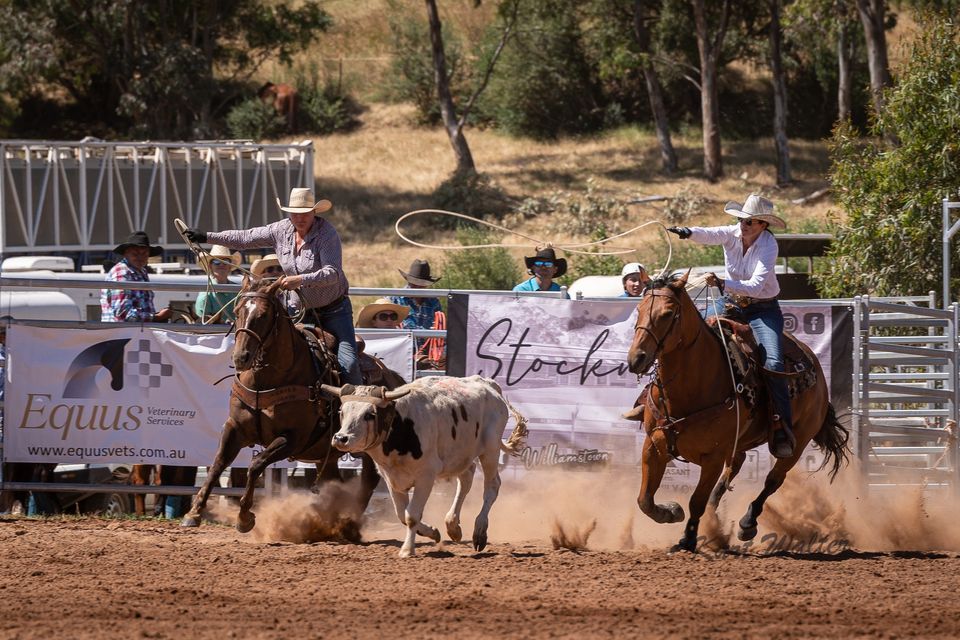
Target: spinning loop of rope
x,y
578,248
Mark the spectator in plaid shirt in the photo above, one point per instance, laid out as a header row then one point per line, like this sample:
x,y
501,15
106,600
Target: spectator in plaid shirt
x,y
423,310
131,305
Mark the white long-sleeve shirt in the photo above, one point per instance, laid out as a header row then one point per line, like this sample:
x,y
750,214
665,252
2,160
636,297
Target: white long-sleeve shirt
x,y
749,273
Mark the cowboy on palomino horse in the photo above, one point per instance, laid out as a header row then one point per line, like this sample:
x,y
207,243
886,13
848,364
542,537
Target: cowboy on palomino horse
x,y
690,412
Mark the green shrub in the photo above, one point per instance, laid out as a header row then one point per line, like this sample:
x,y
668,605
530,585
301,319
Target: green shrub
x,y
492,269
472,194
256,120
322,107
581,214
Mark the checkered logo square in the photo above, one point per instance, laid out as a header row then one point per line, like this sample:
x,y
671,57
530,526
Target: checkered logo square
x,y
145,368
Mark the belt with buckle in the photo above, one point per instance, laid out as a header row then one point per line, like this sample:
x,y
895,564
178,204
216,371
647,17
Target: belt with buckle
x,y
745,301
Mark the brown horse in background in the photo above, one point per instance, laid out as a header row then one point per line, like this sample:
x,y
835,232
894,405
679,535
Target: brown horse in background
x,y
283,98
697,416
276,402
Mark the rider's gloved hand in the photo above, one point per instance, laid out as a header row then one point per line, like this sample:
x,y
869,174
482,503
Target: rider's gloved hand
x,y
195,235
683,232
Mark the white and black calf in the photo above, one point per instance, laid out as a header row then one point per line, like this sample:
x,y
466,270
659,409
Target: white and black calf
x,y
436,427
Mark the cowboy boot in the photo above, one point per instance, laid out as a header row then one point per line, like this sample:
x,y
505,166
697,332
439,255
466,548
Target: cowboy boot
x,y
782,441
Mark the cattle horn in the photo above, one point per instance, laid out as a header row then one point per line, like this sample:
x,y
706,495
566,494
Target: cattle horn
x,y
393,395
330,391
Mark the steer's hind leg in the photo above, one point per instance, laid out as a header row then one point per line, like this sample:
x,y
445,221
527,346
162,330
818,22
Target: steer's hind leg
x,y
464,482
491,489
230,446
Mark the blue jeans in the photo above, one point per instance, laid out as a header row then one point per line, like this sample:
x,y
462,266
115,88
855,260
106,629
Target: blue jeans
x,y
338,320
766,320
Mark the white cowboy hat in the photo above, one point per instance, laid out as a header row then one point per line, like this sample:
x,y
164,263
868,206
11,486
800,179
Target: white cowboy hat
x,y
219,252
260,264
757,208
631,268
365,318
302,201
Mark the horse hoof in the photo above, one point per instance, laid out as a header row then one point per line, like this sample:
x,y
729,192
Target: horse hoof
x,y
190,521
245,524
454,531
674,512
479,542
746,534
684,545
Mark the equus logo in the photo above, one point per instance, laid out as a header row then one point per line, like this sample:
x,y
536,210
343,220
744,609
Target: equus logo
x,y
142,368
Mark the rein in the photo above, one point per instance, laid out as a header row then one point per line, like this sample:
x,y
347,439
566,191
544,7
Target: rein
x,y
271,333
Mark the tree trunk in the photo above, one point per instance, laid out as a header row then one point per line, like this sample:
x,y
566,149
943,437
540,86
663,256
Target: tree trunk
x,y
845,46
779,96
872,14
461,149
709,102
668,156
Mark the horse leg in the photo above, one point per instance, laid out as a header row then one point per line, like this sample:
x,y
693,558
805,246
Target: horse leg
x,y
709,472
748,523
279,449
491,489
140,476
452,520
729,473
226,453
652,467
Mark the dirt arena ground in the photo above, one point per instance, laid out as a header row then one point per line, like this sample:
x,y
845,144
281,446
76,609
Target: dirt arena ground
x,y
824,565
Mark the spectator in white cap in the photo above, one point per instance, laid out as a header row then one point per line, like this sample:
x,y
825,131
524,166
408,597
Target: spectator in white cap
x,y
217,306
750,286
309,250
634,277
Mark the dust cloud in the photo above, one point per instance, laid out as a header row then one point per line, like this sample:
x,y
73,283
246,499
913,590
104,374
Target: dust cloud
x,y
598,511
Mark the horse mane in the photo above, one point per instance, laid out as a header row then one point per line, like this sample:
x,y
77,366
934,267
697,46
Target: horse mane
x,y
662,281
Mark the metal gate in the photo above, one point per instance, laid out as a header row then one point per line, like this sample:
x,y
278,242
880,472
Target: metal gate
x,y
88,196
906,394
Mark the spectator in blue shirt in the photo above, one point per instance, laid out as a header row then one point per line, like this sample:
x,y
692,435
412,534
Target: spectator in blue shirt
x,y
544,267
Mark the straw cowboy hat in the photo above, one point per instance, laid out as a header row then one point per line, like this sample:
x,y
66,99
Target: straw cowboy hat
x,y
365,318
756,208
137,239
221,253
261,264
419,273
547,254
631,268
302,201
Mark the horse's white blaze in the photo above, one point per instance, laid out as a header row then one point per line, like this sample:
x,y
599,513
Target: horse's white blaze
x,y
250,306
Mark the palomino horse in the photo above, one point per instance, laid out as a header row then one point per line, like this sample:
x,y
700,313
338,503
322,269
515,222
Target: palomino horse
x,y
691,411
276,402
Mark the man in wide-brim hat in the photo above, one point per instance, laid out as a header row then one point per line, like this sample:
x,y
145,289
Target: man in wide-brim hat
x,y
131,305
750,285
543,267
423,310
267,267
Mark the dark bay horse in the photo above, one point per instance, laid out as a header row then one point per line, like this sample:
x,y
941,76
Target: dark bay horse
x,y
276,402
697,415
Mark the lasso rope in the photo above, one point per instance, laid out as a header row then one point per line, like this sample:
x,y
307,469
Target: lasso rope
x,y
539,242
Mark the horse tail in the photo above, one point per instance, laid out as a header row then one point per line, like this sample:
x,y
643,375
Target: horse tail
x,y
518,438
832,439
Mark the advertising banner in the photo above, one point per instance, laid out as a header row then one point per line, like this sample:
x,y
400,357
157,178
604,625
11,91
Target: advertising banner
x,y
562,364
126,394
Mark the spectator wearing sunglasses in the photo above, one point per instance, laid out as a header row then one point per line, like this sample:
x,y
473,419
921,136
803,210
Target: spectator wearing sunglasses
x,y
382,314
217,305
750,289
544,267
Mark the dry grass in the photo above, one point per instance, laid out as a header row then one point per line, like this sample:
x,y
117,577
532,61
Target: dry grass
x,y
388,167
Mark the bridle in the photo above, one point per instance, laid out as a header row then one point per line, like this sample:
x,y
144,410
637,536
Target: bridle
x,y
659,341
262,341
